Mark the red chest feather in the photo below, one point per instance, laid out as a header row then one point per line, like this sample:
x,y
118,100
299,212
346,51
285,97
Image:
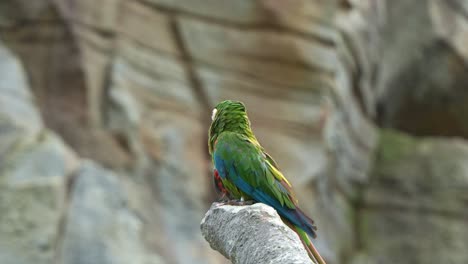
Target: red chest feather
x,y
219,183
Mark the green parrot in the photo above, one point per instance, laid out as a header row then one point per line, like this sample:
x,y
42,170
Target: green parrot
x,y
243,171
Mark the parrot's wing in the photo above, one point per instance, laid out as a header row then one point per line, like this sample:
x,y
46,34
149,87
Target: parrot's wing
x,y
244,164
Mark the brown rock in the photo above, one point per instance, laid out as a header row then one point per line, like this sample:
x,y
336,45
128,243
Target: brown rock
x,y
218,45
147,27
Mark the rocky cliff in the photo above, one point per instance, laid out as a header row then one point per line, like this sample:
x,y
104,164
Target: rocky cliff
x,y
104,108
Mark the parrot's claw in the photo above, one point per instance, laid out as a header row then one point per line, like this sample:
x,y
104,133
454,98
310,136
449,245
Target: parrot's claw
x,y
239,202
224,199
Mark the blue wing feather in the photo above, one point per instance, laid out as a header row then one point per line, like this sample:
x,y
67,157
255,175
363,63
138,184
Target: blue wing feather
x,y
226,165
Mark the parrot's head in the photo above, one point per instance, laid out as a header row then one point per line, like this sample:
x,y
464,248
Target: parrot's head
x,y
231,116
228,109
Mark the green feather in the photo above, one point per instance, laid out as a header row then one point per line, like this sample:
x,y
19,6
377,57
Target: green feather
x,y
231,137
249,165
231,129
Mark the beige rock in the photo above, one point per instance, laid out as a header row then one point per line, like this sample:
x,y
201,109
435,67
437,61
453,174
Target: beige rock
x,y
451,24
416,200
427,175
156,79
219,45
12,12
100,227
34,169
314,18
248,11
147,27
95,56
33,186
17,104
156,109
390,234
101,15
149,70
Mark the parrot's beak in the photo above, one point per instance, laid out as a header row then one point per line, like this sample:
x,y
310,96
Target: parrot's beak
x,y
213,114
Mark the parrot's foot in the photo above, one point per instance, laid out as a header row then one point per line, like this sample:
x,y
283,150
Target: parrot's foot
x,y
239,202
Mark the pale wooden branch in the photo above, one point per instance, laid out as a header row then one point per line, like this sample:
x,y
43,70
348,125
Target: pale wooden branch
x,y
252,234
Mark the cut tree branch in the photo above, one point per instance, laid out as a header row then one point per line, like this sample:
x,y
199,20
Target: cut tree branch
x,y
252,234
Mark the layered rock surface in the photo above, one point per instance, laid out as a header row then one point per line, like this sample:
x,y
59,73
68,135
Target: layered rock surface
x,y
56,208
130,84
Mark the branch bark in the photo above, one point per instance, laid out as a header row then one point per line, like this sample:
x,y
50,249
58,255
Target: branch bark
x,y
252,234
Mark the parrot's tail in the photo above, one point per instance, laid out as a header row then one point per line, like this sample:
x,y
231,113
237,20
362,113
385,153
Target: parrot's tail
x,y
313,252
309,246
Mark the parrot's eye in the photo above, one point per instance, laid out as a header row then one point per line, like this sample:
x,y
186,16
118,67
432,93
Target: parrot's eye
x,y
213,114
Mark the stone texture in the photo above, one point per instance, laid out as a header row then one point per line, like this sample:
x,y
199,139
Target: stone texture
x,y
60,89
417,190
155,83
138,20
439,238
406,184
102,16
450,23
301,16
405,91
34,168
16,101
12,11
32,45
246,12
95,53
100,228
130,84
33,191
278,95
426,174
219,45
252,234
155,109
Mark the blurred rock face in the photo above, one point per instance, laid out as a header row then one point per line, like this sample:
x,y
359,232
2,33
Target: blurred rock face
x,y
130,85
416,200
